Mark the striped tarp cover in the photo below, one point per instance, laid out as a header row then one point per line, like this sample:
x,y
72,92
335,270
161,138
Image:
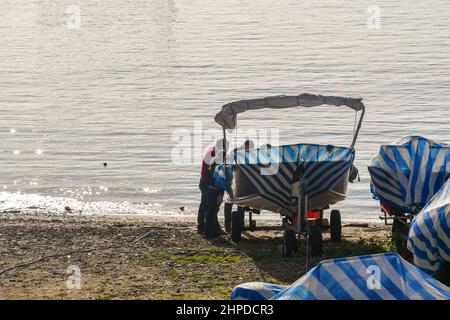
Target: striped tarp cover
x,y
429,235
374,277
271,170
407,174
256,291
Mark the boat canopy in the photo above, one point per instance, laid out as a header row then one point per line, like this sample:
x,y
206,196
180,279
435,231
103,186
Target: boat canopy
x,y
227,117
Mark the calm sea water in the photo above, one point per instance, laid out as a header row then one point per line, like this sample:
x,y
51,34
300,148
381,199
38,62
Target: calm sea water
x,y
116,89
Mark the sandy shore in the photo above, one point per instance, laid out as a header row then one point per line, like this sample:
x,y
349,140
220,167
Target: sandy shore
x,y
170,262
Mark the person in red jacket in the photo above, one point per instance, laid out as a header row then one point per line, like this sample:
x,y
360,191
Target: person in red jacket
x,y
214,198
204,184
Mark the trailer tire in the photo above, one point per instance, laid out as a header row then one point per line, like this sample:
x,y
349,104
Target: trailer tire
x,y
237,225
315,241
227,216
443,274
290,245
335,225
400,232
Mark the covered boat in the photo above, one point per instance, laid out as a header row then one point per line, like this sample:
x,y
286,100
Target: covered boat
x,y
269,177
404,177
374,277
293,180
407,174
429,235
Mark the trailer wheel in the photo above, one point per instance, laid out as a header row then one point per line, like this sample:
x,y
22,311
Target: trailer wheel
x,y
290,242
227,216
443,274
400,232
315,241
335,225
237,225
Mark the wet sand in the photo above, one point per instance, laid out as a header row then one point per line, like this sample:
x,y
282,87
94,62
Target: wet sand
x,y
147,257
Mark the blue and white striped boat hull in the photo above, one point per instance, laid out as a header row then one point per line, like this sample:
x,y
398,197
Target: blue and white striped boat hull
x,y
375,277
429,235
406,175
269,179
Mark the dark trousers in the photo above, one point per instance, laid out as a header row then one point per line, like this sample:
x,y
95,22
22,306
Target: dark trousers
x,y
212,227
203,185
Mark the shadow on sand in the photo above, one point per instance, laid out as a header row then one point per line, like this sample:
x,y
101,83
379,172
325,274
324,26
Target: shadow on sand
x,y
266,253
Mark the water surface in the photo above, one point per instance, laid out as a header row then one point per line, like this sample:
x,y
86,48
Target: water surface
x,y
116,90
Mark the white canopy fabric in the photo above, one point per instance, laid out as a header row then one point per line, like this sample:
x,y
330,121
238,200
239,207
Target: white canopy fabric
x,y
227,117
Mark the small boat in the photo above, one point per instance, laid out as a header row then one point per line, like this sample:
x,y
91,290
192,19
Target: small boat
x,y
324,169
405,175
298,181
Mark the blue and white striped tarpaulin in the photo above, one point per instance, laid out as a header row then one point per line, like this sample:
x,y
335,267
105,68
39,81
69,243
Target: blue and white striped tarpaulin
x,y
429,235
256,291
271,170
375,277
407,174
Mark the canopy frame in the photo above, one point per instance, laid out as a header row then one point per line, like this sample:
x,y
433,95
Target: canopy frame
x,y
227,117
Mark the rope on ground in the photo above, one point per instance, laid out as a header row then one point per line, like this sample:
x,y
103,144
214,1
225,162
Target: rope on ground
x,y
86,250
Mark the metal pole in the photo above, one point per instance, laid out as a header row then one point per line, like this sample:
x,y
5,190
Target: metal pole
x,y
224,146
358,127
299,213
302,218
307,253
306,229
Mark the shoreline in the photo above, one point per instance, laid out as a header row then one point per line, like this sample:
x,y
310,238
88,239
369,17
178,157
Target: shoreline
x,y
168,261
188,216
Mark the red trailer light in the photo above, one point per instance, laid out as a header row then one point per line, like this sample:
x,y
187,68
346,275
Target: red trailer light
x,y
313,215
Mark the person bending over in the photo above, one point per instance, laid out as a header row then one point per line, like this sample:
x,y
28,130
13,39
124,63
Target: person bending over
x,y
214,199
203,185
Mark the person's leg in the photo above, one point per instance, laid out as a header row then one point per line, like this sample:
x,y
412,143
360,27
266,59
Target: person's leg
x,y
216,219
203,186
210,227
